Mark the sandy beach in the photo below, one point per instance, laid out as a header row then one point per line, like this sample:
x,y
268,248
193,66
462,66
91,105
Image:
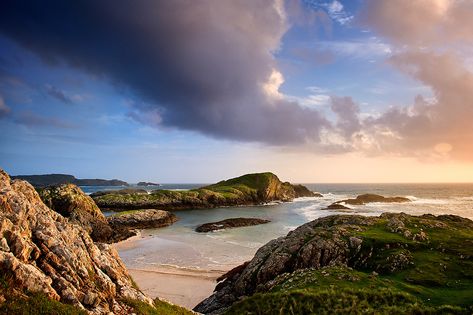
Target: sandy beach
x,y
184,288
179,285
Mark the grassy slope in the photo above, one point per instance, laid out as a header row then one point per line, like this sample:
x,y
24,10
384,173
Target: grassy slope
x,y
233,191
440,275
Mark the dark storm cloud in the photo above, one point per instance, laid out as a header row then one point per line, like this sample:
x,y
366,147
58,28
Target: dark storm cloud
x,y
202,65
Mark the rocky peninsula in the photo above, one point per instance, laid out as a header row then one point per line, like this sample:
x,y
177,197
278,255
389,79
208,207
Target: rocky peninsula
x,y
58,179
250,189
51,265
229,223
392,264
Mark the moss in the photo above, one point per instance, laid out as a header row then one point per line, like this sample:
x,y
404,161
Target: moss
x,y
159,308
38,304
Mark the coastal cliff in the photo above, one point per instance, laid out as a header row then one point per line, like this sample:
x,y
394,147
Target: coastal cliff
x,y
342,264
50,265
250,189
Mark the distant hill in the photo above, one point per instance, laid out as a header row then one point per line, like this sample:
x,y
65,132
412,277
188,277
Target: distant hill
x,y
57,179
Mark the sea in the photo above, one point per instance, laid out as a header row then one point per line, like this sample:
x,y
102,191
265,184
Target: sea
x,y
179,246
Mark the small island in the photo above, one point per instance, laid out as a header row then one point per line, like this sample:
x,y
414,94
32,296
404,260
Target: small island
x,y
229,223
249,189
364,199
146,184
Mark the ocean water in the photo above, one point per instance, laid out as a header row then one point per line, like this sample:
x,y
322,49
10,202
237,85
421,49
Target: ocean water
x,y
179,246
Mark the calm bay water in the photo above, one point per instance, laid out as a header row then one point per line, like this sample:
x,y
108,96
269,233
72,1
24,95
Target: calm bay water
x,y
180,246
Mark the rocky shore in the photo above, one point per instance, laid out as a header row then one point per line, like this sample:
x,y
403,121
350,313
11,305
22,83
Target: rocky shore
x,y
364,199
142,219
250,189
229,223
341,264
49,264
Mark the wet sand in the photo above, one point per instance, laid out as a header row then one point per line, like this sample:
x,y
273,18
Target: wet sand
x,y
182,286
179,287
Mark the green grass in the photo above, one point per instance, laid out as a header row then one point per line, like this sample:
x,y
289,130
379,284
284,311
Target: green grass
x,y
337,290
159,308
38,304
395,272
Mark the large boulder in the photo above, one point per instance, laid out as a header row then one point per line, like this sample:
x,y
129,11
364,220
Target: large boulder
x,y
71,202
142,219
229,224
41,251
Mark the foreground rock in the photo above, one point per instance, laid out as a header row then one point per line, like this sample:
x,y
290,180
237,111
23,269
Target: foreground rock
x,y
69,201
364,199
395,263
229,223
41,251
47,263
250,189
142,219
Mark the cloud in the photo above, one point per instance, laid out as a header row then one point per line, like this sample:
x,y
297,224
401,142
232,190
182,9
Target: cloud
x,y
432,50
420,22
58,94
348,122
31,119
335,10
203,66
4,109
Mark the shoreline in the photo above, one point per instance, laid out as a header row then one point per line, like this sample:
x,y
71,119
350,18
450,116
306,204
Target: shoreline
x,y
182,286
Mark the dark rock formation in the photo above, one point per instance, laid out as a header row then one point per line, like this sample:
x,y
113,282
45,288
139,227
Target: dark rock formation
x,y
147,184
364,199
250,189
58,179
376,246
41,251
72,203
142,219
229,223
367,198
302,191
336,206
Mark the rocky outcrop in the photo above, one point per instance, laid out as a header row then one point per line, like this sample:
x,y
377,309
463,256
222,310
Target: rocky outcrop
x,y
147,184
250,189
41,251
336,206
376,246
368,198
142,219
302,191
72,203
229,223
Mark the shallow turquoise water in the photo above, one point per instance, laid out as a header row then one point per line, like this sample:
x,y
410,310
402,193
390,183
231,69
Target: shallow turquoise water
x,y
180,246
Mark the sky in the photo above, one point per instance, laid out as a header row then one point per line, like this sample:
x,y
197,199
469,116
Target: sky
x,y
197,91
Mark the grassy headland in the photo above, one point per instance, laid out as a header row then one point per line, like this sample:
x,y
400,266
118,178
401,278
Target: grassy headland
x,y
244,190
